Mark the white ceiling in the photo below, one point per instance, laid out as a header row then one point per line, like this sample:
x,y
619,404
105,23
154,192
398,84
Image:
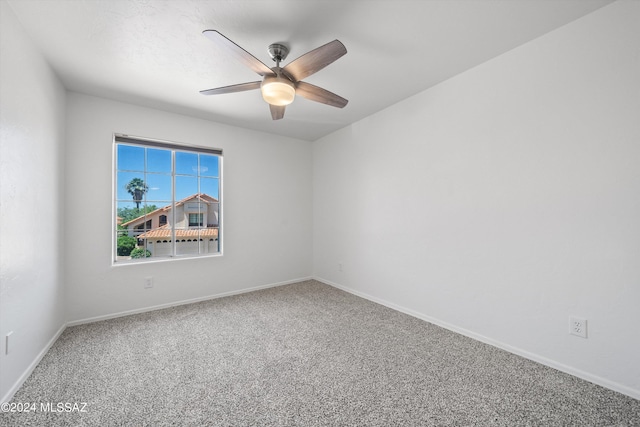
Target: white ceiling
x,y
153,53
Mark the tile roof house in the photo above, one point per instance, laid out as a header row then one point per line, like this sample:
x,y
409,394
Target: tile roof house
x,y
194,225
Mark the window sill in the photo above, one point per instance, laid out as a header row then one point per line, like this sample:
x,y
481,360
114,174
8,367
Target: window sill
x,y
152,260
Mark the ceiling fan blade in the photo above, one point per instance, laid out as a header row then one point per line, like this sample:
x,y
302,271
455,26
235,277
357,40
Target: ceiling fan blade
x,y
315,60
233,88
315,93
237,52
277,111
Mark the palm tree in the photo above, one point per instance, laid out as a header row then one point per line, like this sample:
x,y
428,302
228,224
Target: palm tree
x,y
137,188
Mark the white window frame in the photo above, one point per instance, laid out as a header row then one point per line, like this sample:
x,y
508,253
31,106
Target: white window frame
x,y
173,146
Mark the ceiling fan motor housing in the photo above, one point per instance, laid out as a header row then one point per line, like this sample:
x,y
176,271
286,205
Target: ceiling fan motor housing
x,y
278,52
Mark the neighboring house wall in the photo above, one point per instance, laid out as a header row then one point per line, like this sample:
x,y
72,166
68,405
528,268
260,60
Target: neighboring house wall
x,y
208,209
159,248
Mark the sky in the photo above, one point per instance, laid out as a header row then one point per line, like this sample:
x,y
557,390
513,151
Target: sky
x,y
195,173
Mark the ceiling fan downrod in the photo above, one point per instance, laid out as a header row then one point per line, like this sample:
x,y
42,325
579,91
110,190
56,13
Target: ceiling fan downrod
x,y
278,52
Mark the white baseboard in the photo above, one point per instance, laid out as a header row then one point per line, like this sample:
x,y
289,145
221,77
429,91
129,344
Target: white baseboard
x,y
182,302
16,386
527,355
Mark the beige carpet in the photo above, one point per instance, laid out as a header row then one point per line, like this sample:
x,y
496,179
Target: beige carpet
x,y
304,354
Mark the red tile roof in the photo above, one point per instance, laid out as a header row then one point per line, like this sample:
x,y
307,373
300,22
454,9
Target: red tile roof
x,y
165,233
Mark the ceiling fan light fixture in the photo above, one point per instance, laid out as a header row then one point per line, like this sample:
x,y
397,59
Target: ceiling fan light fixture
x,y
278,90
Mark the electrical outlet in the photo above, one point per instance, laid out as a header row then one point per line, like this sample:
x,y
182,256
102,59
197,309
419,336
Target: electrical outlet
x,y
578,326
6,342
148,282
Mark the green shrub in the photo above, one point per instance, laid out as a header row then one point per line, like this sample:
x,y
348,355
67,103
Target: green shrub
x,y
126,245
140,253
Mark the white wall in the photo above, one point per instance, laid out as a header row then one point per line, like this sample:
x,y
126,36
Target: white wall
x,y
504,200
262,174
32,109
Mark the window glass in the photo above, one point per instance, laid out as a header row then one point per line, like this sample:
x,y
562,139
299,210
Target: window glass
x,y
186,163
186,186
130,158
208,165
167,200
209,186
158,160
159,187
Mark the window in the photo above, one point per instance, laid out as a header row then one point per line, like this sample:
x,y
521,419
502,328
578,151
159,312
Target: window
x,y
144,226
166,199
195,219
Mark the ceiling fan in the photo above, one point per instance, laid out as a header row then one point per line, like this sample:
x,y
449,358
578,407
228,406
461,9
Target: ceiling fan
x,y
280,85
